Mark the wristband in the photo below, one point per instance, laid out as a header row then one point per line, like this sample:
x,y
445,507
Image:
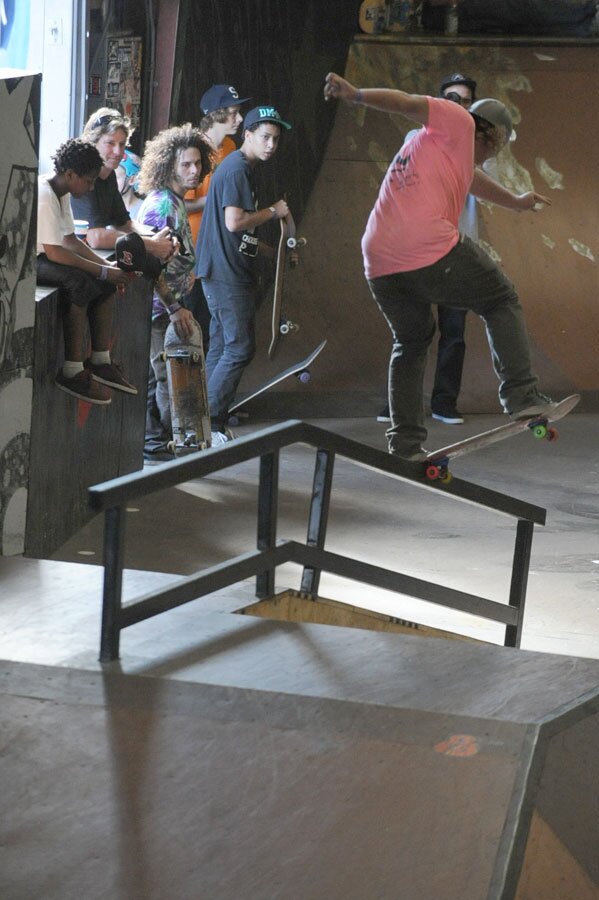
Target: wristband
x,y
358,98
273,212
174,308
103,276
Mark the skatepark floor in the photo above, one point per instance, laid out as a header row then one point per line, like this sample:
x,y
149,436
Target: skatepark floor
x,y
204,522
226,756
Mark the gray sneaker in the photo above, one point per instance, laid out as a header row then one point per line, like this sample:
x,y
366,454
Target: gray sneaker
x,y
418,456
543,408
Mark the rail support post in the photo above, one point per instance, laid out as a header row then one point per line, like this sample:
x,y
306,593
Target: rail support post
x,y
268,499
319,514
520,567
114,546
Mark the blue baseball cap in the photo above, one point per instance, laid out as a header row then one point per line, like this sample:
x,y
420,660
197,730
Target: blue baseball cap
x,y
220,96
264,114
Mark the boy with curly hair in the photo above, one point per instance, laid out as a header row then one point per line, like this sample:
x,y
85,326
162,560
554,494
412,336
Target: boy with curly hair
x,y
173,163
87,282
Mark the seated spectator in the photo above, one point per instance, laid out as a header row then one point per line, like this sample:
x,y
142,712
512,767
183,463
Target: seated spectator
x,y
103,207
87,282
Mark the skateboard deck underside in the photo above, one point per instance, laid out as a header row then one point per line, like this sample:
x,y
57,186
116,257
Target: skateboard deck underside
x,y
190,415
295,369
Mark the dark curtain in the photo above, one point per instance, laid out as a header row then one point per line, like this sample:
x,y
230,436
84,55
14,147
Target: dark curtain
x,y
277,52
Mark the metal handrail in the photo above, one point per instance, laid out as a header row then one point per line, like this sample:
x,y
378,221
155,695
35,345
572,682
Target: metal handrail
x,y
111,496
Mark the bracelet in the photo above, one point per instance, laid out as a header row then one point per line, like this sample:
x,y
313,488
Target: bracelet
x,y
273,212
174,308
358,98
103,276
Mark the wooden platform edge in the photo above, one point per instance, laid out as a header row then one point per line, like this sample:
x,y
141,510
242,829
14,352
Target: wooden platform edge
x,y
294,606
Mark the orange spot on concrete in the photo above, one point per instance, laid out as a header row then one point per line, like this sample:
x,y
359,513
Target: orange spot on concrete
x,y
458,745
83,410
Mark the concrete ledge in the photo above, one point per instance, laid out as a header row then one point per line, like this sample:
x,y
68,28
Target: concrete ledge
x,y
75,444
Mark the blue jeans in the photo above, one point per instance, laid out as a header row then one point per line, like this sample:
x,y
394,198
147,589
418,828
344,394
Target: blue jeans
x,y
466,277
232,342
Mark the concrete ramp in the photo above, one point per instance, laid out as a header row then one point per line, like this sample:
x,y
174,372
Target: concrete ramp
x,y
551,256
302,762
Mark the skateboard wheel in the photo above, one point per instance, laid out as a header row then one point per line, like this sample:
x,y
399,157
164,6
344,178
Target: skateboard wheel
x,y
445,477
172,447
232,421
195,357
284,328
433,472
540,431
552,434
292,243
304,376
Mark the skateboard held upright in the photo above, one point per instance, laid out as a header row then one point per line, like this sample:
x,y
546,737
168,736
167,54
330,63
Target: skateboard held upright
x,y
288,242
188,392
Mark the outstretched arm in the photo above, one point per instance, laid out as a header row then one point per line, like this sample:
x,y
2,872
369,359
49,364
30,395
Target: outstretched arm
x,y
414,106
486,188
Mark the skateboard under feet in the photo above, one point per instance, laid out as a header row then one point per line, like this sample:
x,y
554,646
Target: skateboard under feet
x,y
436,465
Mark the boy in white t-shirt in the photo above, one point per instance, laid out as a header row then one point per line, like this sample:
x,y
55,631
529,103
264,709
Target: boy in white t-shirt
x,y
87,282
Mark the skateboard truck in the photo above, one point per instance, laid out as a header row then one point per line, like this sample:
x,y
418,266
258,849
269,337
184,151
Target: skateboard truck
x,y
294,243
287,327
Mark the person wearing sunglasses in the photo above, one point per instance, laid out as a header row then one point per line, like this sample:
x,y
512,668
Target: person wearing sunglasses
x,y
103,208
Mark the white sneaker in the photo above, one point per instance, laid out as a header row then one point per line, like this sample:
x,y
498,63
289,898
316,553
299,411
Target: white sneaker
x,y
219,438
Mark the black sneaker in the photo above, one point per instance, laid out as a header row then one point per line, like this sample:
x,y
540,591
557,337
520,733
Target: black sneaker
x,y
384,415
158,456
448,416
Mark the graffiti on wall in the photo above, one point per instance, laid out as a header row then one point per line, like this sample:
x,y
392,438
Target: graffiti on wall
x,y
19,115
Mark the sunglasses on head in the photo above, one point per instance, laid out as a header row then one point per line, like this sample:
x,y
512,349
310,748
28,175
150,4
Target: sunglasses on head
x,y
103,120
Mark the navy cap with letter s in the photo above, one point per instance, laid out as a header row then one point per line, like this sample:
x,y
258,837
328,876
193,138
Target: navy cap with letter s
x,y
220,96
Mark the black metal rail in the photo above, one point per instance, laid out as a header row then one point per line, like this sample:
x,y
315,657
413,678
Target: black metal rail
x,y
111,497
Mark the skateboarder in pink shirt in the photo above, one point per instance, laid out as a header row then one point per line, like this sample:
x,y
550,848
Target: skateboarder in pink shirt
x,y
414,255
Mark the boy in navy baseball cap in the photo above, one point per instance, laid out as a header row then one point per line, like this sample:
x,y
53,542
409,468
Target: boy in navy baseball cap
x,y
221,96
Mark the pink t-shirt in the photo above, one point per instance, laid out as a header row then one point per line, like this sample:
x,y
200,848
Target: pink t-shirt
x,y
414,221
